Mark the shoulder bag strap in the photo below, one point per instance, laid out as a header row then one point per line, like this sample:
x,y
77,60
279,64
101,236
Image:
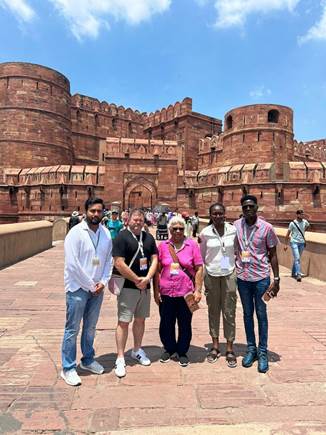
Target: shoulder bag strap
x,y
176,260
299,230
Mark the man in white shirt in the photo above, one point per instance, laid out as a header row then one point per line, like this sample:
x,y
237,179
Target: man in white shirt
x,y
88,267
296,234
217,249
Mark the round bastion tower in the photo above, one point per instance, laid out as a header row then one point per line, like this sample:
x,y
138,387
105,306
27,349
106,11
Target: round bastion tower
x,y
259,133
35,123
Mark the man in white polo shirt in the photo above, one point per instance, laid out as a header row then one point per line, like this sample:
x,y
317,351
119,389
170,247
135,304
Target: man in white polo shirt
x,y
88,267
217,249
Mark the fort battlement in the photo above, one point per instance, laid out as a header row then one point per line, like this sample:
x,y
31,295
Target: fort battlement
x,y
168,114
139,148
312,150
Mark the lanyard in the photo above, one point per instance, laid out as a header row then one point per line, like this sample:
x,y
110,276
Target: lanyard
x,y
220,238
245,239
97,242
140,242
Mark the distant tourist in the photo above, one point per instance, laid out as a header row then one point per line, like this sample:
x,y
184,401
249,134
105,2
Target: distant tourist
x,y
114,225
188,226
135,258
73,220
297,230
217,249
125,218
255,248
88,265
180,272
195,224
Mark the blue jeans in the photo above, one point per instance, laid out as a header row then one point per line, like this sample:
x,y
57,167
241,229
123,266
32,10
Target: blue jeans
x,y
251,298
297,249
80,305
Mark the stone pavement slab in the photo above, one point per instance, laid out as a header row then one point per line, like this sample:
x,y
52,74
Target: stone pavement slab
x,y
163,398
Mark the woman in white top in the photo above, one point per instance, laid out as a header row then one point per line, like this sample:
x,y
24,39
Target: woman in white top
x,y
217,249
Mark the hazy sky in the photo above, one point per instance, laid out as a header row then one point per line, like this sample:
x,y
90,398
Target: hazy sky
x,y
146,54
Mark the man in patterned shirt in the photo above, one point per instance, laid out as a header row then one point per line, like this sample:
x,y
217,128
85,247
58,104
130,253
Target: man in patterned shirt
x,y
255,250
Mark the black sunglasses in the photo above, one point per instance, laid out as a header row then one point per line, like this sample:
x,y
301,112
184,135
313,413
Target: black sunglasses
x,y
178,229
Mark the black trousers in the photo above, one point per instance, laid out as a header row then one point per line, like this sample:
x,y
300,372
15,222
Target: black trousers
x,y
174,310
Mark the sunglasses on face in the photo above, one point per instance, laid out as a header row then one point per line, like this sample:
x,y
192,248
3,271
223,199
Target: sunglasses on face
x,y
178,229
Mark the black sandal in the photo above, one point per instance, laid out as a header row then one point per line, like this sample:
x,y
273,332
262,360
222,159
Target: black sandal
x,y
231,359
213,355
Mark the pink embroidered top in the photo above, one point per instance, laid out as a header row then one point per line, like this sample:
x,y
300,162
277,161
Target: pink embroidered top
x,y
178,284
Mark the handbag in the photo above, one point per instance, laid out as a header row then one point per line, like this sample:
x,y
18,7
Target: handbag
x,y
117,281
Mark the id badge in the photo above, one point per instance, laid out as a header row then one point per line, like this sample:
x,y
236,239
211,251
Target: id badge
x,y
245,257
95,261
174,268
225,262
143,263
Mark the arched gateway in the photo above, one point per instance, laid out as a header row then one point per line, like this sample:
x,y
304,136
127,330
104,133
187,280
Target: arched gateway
x,y
139,193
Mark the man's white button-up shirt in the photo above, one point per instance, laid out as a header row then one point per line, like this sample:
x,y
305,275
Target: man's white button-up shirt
x,y
81,271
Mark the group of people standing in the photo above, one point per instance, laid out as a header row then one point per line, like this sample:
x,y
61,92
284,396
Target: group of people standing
x,y
227,257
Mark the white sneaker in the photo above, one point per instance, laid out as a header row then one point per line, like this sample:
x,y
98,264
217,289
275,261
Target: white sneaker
x,y
141,357
93,367
120,368
71,377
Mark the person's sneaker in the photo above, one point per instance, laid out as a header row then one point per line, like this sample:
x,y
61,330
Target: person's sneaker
x,y
165,357
141,357
262,362
183,361
299,278
71,377
249,358
120,368
93,367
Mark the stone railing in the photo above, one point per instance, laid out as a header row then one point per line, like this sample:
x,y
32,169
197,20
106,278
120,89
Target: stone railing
x,y
313,258
20,241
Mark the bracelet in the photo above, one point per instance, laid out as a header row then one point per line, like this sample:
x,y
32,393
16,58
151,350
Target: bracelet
x,y
277,278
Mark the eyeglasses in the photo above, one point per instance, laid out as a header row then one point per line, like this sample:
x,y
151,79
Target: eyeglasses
x,y
178,229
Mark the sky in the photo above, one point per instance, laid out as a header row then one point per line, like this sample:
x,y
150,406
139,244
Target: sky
x,y
147,54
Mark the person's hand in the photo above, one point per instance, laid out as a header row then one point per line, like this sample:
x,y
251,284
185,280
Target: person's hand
x,y
142,284
285,248
98,288
275,289
197,296
157,298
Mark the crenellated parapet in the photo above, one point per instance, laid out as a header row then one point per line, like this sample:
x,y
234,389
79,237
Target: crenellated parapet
x,y
83,102
313,150
60,174
170,113
117,147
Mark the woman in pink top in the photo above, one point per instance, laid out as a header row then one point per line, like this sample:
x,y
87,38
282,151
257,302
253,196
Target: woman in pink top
x,y
172,282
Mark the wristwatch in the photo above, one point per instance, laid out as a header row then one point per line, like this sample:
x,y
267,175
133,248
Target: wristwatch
x,y
277,278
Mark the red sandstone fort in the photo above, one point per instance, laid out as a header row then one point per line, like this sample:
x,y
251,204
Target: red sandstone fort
x,y
58,149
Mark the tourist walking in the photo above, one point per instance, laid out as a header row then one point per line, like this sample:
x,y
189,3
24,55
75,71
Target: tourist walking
x,y
195,224
255,248
217,249
88,267
114,224
180,272
136,248
73,220
296,235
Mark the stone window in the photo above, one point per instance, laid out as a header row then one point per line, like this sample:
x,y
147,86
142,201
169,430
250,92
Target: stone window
x,y
130,130
229,122
114,123
273,116
97,121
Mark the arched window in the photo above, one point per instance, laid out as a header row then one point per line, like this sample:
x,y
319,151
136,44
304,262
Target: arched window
x,y
273,116
130,129
229,122
114,123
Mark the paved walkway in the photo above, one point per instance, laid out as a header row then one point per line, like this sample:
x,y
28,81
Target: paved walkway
x,y
291,398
